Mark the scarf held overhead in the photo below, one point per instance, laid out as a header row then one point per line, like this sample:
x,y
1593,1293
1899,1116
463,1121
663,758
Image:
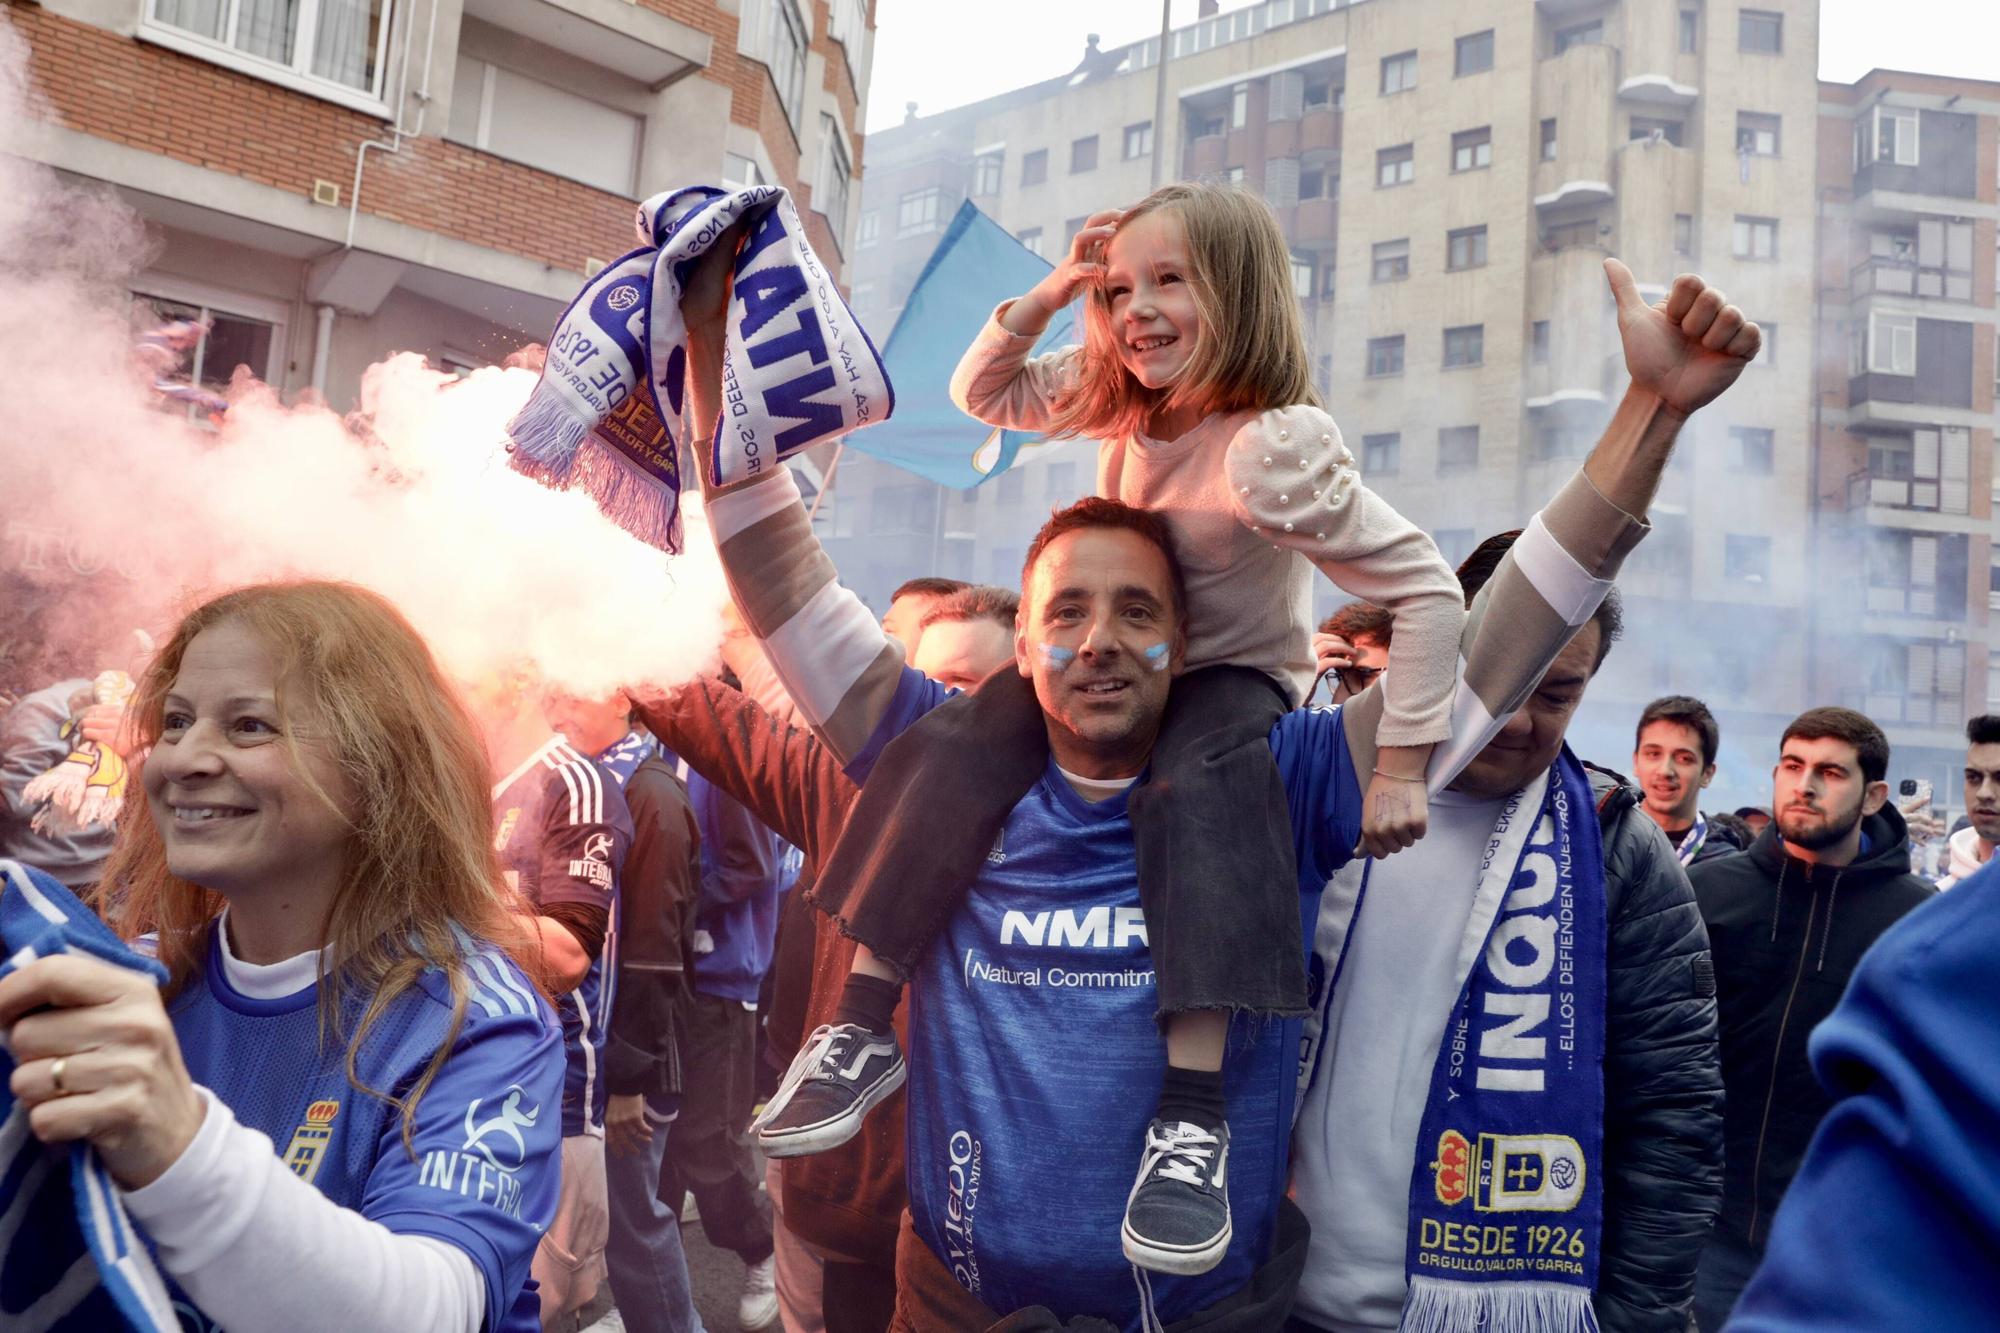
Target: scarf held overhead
x,y
797,369
1506,1196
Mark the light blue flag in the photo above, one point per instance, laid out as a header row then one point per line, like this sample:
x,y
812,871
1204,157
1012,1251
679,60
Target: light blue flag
x,y
975,267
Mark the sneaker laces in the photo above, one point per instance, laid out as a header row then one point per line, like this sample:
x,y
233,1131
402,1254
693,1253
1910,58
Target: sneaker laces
x,y
1179,1152
814,1062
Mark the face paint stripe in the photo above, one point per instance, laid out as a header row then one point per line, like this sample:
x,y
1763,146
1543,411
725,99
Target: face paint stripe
x,y
1059,659
1158,656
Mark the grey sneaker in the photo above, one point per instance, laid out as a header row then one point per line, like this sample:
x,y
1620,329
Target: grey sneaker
x,y
1177,1216
843,1073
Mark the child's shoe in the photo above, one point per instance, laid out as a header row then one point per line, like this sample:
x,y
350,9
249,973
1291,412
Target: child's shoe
x,y
1177,1216
842,1074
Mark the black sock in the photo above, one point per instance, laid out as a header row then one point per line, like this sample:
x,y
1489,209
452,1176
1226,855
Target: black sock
x,y
869,1002
1194,1095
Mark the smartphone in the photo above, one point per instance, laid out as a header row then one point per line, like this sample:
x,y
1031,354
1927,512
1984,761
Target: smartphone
x,y
1918,787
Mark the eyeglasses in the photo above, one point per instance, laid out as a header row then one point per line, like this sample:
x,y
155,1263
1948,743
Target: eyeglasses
x,y
1353,679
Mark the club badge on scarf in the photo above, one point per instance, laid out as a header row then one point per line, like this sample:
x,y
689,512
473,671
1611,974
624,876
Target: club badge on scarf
x,y
798,368
87,787
1506,1198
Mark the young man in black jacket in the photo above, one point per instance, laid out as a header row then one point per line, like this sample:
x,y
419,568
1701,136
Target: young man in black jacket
x,y
1787,923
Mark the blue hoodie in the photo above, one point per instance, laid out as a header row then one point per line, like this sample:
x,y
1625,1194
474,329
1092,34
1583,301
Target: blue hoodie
x,y
1893,1221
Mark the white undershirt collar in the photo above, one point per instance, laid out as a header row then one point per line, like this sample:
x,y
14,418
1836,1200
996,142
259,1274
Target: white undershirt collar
x,y
1096,789
267,981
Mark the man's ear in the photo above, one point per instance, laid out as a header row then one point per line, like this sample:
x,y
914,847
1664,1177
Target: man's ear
x,y
1022,663
1875,797
1708,775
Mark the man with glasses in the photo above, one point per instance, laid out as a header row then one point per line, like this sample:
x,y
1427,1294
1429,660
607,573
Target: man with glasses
x,y
1351,648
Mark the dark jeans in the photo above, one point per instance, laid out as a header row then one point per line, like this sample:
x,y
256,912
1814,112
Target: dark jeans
x,y
708,1152
648,1268
1727,1263
1218,878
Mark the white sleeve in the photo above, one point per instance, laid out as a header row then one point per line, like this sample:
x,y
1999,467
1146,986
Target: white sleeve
x,y
259,1249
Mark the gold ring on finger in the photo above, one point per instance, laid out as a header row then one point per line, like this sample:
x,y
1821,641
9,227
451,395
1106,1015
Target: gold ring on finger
x,y
56,1075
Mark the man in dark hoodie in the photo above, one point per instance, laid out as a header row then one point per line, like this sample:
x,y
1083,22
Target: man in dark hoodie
x,y
1787,923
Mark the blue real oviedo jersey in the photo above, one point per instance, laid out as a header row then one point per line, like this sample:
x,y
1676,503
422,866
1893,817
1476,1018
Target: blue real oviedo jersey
x,y
1036,1060
484,1174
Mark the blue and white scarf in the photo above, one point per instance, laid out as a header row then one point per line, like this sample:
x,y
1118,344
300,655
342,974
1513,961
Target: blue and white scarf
x,y
70,1259
798,368
1506,1197
1690,844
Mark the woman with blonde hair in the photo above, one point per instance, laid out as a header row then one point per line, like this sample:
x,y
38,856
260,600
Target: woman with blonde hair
x,y
344,1110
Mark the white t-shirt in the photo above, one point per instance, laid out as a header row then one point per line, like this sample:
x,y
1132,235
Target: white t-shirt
x,y
1356,1139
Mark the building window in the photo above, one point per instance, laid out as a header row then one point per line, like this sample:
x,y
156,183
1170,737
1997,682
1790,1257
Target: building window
x,y
917,211
1756,134
549,128
1750,449
1646,127
1582,34
1472,149
1464,346
1031,240
330,45
1232,176
1760,32
1083,154
1035,167
1767,353
1690,31
1896,135
835,176
1395,166
1239,106
1458,448
1207,126
986,172
1538,342
1684,234
1475,54
227,342
1071,227
1318,183
1385,356
1391,261
1399,73
1465,248
1755,238
1381,455
1892,344
1138,140
1549,140
1302,277
740,173
1320,94
1746,559
1939,266
868,230
775,33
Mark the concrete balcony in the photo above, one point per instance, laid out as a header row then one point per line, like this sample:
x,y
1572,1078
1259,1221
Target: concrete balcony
x,y
1207,156
1319,130
1657,90
1316,224
1576,89
1655,182
1567,289
1656,72
1882,276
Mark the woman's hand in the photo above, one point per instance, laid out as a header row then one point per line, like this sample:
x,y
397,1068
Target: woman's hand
x,y
1331,653
97,1060
1081,267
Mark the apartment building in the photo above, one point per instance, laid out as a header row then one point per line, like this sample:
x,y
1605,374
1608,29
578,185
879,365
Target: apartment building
x,y
1451,175
330,181
1905,408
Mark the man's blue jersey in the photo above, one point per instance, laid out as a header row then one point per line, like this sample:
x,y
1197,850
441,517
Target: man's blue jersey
x,y
484,1174
1036,1059
562,829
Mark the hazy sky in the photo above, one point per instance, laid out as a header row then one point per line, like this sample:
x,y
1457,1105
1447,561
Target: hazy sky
x,y
945,53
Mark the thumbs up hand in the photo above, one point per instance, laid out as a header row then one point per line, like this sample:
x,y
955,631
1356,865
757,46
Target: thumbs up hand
x,y
1687,348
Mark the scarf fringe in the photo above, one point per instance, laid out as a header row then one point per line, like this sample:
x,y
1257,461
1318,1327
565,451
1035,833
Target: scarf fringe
x,y
627,496
1438,1306
547,436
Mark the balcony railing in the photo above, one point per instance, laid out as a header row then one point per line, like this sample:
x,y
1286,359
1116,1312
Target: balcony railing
x,y
1904,277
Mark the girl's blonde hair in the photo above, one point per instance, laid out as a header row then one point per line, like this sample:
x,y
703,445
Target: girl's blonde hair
x,y
420,881
1250,350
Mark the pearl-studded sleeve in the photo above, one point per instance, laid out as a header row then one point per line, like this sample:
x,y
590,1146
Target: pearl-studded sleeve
x,y
1293,481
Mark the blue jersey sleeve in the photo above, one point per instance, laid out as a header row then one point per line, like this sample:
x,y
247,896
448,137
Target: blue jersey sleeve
x,y
586,830
1322,790
486,1169
916,694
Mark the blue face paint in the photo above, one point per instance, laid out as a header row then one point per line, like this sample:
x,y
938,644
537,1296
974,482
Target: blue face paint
x,y
1158,657
1059,659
